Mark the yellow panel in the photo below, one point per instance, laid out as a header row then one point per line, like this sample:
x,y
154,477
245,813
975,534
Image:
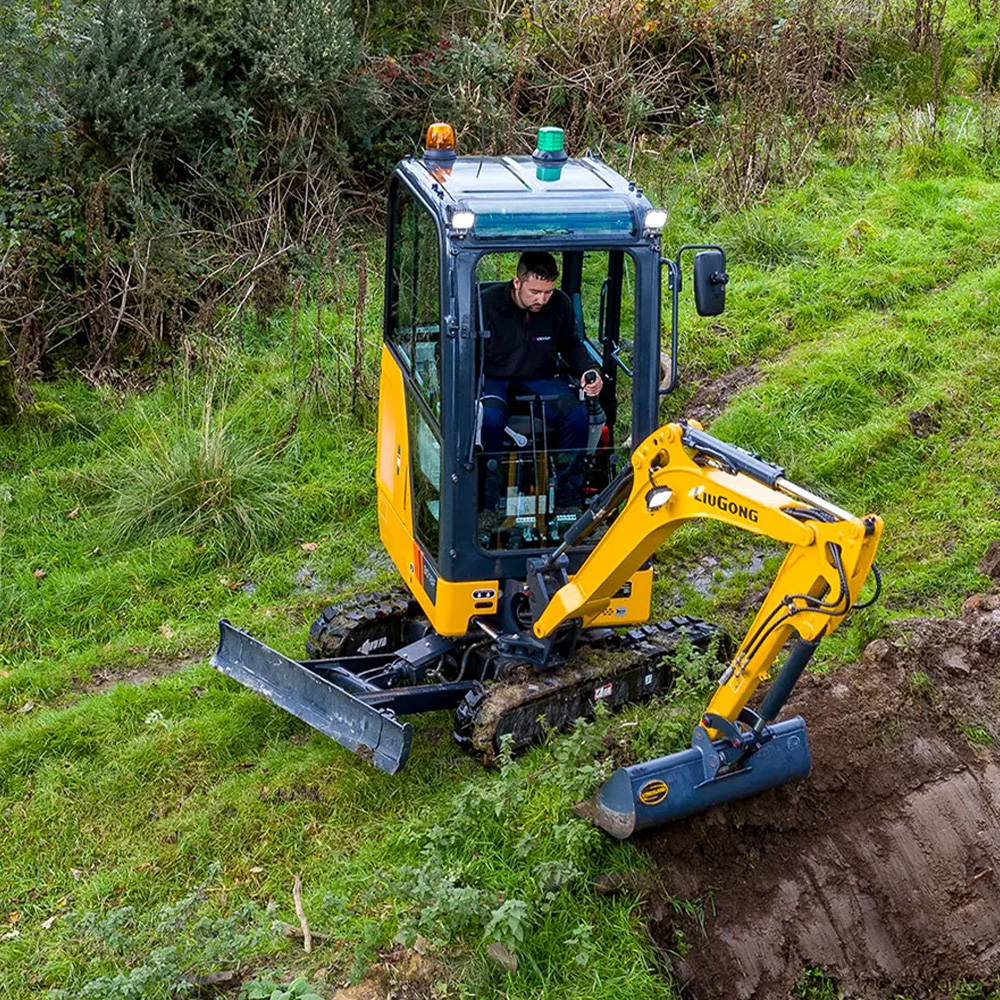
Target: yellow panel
x,y
629,610
393,439
455,603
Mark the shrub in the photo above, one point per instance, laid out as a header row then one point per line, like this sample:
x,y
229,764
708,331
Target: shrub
x,y
126,86
166,163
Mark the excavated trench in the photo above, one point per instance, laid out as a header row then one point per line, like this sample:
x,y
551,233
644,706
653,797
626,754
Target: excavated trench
x,y
882,869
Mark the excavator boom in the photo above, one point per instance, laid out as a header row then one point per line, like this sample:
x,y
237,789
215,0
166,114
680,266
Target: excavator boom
x,y
680,473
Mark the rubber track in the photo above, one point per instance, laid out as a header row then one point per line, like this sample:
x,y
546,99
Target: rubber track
x,y
619,670
341,629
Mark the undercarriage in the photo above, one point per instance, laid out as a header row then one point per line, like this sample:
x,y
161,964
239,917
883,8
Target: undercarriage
x,y
374,659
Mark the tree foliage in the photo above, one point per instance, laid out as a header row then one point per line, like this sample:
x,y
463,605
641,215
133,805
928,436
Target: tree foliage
x,y
165,164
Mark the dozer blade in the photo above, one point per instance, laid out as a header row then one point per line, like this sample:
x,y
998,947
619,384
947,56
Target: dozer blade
x,y
645,795
367,731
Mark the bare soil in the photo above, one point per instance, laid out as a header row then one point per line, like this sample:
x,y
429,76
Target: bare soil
x,y
400,974
713,395
105,678
882,869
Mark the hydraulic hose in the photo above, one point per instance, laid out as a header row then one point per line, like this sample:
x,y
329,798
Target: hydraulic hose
x,y
600,508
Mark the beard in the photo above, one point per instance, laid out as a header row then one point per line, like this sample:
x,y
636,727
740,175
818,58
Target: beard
x,y
521,304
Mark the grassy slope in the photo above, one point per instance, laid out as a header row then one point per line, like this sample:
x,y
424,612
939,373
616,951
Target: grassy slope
x,y
156,822
867,298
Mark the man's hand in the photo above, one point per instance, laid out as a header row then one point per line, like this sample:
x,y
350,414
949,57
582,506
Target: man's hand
x,y
594,387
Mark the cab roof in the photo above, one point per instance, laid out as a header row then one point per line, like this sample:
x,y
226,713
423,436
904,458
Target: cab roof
x,y
517,196
466,176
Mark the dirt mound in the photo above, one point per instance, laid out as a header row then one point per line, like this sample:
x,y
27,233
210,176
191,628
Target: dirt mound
x,y
882,869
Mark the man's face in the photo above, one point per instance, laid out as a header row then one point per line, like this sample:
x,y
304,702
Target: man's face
x,y
533,293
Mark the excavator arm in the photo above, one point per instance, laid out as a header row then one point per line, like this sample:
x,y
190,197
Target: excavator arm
x,y
680,473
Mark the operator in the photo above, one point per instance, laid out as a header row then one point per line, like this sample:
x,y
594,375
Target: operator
x,y
531,324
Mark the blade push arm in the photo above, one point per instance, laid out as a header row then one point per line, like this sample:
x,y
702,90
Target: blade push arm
x,y
680,473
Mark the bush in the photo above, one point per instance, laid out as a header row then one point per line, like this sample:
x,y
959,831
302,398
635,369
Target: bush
x,y
166,164
126,87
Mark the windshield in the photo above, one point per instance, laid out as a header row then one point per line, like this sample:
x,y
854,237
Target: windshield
x,y
545,448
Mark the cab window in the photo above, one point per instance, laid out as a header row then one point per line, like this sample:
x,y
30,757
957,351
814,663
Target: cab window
x,y
414,327
534,487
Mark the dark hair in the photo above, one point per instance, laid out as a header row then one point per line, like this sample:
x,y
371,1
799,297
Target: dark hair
x,y
537,264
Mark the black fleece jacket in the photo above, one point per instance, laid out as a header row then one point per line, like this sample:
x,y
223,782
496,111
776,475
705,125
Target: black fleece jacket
x,y
527,345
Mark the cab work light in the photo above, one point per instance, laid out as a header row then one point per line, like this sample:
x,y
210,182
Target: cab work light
x,y
463,220
656,218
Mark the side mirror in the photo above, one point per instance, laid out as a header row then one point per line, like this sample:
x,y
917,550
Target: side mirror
x,y
710,280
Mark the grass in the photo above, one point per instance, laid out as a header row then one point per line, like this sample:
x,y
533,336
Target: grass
x,y
150,832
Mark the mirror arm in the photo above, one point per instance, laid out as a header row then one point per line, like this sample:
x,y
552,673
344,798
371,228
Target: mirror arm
x,y
674,270
699,246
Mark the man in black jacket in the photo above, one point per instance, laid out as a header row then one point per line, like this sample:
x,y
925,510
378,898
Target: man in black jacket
x,y
531,325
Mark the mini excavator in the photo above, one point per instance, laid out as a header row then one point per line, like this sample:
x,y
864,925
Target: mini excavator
x,y
524,614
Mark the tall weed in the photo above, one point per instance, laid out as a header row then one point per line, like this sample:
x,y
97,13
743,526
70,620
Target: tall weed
x,y
775,74
207,479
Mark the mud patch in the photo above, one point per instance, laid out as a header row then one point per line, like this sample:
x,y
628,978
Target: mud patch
x,y
375,566
708,574
713,396
882,869
925,422
400,974
105,678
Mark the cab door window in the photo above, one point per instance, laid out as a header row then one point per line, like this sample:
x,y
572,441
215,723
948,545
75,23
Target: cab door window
x,y
414,328
534,487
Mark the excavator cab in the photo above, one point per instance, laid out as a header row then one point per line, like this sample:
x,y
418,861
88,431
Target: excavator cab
x,y
528,568
456,228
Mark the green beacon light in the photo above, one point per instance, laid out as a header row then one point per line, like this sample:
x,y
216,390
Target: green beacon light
x,y
550,140
550,154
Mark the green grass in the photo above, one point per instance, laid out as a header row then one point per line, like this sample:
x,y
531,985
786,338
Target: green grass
x,y
127,532
152,831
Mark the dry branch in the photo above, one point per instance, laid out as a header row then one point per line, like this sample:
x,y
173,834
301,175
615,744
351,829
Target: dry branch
x,y
297,896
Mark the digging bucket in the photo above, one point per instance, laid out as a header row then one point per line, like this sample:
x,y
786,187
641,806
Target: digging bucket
x,y
645,795
367,731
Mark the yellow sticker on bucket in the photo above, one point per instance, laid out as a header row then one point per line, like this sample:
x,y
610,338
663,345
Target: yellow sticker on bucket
x,y
653,792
